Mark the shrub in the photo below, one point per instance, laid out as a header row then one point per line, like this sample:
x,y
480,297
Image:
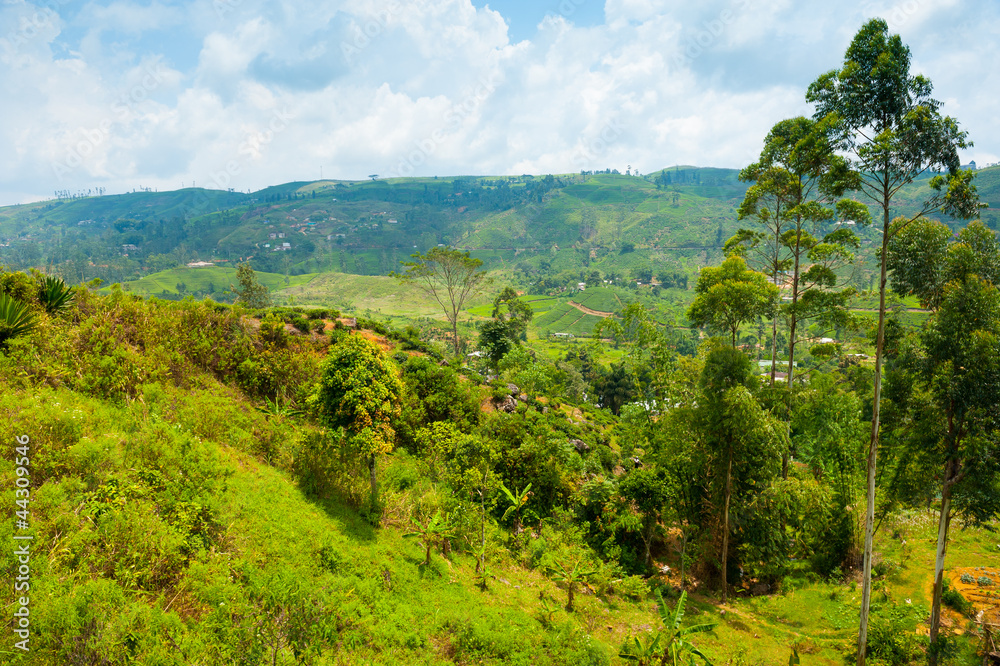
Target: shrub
x,y
891,637
953,599
54,295
272,330
16,318
301,324
984,581
968,579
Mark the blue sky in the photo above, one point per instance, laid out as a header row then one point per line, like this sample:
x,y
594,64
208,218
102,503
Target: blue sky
x,y
244,94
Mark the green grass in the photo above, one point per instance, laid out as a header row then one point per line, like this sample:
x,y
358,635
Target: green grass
x,y
564,318
602,299
372,294
215,279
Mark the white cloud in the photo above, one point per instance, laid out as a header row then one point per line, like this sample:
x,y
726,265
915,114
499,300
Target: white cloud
x,y
248,93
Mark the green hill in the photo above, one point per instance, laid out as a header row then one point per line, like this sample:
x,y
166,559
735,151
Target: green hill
x,y
188,502
205,280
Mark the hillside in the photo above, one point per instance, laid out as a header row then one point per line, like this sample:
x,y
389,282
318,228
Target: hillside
x,y
368,227
676,218
189,502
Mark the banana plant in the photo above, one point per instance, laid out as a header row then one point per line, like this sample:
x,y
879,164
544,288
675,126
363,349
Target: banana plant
x,y
677,646
572,577
517,501
436,528
669,645
644,653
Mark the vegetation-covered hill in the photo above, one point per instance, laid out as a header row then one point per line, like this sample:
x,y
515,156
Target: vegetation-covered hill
x,y
187,506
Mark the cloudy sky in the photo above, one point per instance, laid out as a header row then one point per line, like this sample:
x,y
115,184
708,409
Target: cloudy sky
x,y
243,94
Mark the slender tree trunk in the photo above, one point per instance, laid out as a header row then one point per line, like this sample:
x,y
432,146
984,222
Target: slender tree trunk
x,y
372,480
481,562
725,529
942,546
454,332
569,605
792,324
866,589
684,540
774,347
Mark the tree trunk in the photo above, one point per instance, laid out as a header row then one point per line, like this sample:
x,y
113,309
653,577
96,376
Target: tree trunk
x,y
481,561
792,324
684,540
373,481
866,589
454,332
942,545
725,529
647,538
569,605
774,347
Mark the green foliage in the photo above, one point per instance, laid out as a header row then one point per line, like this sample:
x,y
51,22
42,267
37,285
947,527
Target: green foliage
x,y
433,393
953,599
272,331
434,529
672,642
54,295
561,572
517,499
358,392
16,318
730,296
449,276
509,325
892,639
250,292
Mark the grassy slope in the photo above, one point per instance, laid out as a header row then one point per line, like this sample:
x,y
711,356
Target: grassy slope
x,y
390,607
118,485
369,294
201,279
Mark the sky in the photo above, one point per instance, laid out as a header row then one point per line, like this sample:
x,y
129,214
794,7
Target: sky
x,y
243,94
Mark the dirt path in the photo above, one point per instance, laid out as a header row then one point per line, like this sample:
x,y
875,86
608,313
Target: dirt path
x,y
586,310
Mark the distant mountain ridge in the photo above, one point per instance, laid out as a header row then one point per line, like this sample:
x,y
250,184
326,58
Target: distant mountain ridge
x,y
678,216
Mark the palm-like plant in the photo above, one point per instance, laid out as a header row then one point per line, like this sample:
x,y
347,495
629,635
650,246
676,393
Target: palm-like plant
x,y
572,577
15,318
672,645
644,653
276,408
517,501
434,529
54,294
